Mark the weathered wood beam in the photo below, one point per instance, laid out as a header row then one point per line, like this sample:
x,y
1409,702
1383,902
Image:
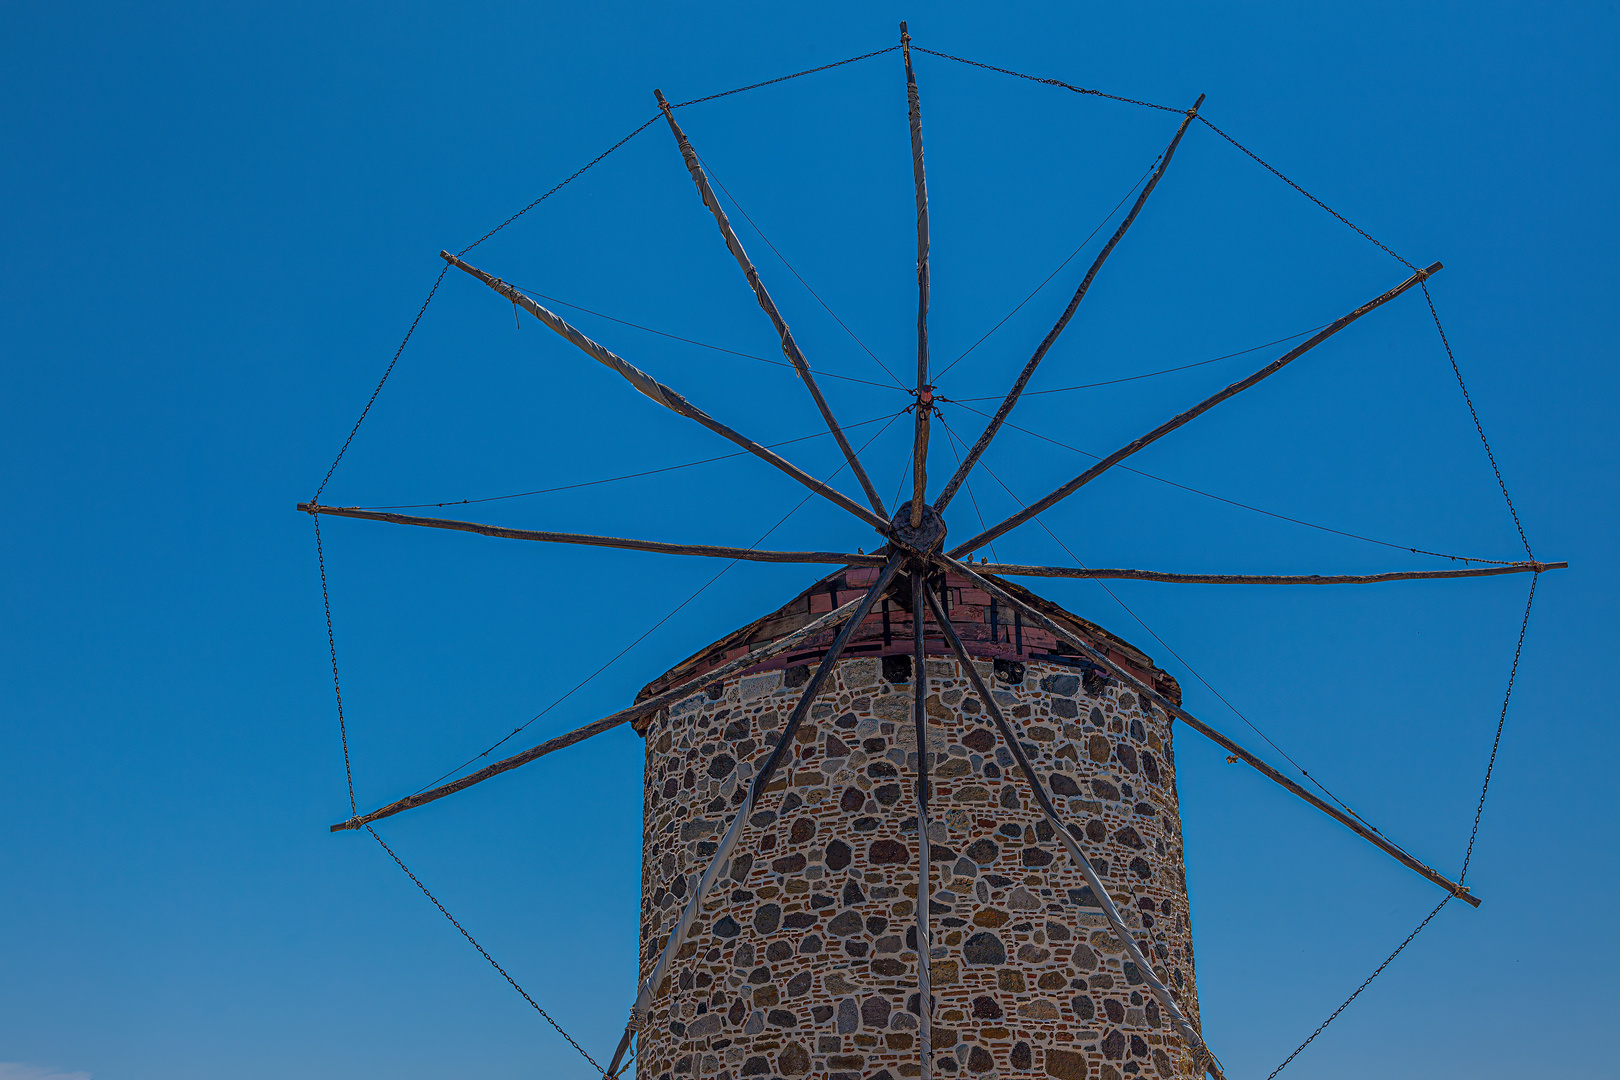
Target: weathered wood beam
x,y
1012,570
706,550
1155,985
662,394
756,788
919,720
990,429
1202,407
925,401
623,716
790,347
1101,659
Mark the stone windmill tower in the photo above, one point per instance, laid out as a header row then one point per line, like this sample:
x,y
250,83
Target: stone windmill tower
x,y
919,821
805,961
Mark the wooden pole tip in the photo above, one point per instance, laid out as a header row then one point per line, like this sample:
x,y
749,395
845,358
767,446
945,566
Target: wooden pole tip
x,y
446,256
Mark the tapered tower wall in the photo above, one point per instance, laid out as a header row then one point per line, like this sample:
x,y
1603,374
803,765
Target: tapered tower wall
x,y
803,961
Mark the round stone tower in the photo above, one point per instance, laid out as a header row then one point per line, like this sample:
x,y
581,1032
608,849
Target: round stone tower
x,y
803,960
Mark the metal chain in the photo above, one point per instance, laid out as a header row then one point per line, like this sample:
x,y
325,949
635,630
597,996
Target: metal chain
x,y
1443,902
1267,166
545,1015
344,449
331,644
576,175
1501,721
1473,835
783,78
1048,82
1468,398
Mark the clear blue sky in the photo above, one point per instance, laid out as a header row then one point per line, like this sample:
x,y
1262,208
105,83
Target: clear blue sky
x,y
221,219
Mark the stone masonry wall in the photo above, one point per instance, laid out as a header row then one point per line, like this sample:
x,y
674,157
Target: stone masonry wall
x,y
803,961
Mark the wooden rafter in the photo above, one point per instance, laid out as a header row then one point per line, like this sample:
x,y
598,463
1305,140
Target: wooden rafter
x,y
662,394
990,429
790,347
1177,421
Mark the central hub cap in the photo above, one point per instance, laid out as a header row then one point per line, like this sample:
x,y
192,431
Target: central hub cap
x,y
926,537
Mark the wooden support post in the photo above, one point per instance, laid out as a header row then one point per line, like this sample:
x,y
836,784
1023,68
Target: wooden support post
x,y
1202,407
919,717
990,429
662,394
790,347
1102,660
1155,984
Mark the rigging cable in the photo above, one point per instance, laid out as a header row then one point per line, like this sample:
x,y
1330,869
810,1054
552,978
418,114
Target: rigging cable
x,y
564,183
706,345
676,610
1473,835
1240,505
710,170
1128,610
627,476
1150,374
1109,217
482,952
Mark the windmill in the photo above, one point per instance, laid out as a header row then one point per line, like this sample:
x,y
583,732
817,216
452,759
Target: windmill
x,y
1016,727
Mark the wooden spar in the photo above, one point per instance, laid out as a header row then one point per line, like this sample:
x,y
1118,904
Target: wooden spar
x,y
990,586
925,397
623,716
707,550
662,394
1010,570
1197,410
790,347
919,718
1155,985
728,843
990,429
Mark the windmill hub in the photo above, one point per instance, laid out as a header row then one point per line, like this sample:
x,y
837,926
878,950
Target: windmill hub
x,y
927,536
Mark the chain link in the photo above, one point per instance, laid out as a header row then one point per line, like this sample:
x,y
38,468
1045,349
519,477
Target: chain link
x,y
783,78
545,1015
337,689
1323,1026
1469,399
1048,82
1501,722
